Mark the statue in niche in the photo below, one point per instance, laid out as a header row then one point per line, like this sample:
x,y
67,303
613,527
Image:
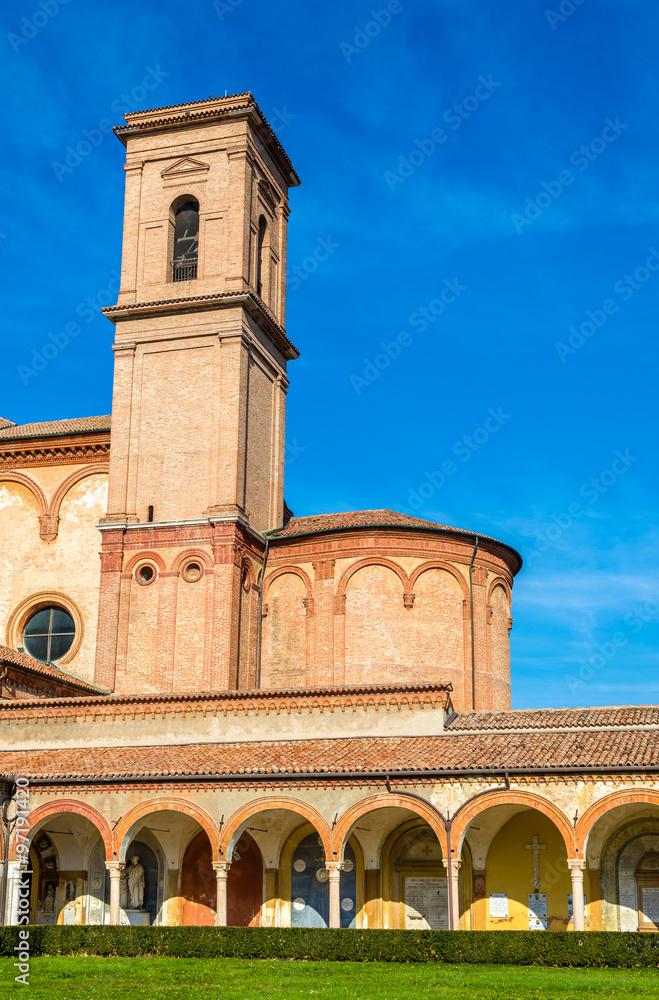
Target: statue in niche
x,y
71,892
49,899
136,883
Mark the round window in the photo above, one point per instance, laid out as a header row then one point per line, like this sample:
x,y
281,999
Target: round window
x,y
48,634
192,572
146,574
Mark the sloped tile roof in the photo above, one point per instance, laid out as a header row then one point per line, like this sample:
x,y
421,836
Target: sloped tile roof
x,y
484,752
365,519
556,718
55,428
25,662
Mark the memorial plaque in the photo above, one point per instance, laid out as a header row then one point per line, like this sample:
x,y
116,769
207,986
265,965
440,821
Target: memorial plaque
x,y
650,903
537,911
426,903
570,906
498,904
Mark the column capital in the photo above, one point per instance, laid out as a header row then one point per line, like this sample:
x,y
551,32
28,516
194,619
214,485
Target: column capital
x,y
222,868
334,868
454,865
577,866
115,867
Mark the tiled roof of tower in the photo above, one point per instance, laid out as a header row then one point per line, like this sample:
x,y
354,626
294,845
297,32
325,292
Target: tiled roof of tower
x,y
554,719
25,662
205,108
55,428
352,757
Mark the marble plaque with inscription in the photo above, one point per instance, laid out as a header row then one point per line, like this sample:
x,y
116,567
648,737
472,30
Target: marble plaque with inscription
x,y
650,903
426,903
537,911
498,904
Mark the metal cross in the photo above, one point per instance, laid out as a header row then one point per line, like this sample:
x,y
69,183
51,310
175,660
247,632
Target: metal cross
x,y
536,847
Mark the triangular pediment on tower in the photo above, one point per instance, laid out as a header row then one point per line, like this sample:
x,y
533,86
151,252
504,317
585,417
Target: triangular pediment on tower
x,y
184,166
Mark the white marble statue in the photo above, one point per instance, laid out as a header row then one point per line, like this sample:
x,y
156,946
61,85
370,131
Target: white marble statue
x,y
136,883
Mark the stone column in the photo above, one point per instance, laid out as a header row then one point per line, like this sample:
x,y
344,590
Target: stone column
x,y
115,868
222,874
15,872
334,869
577,867
453,873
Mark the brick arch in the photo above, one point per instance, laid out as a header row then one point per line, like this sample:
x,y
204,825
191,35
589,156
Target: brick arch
x,y
527,800
169,804
598,809
100,468
59,806
7,476
384,800
499,582
303,809
438,564
147,554
204,557
372,561
284,571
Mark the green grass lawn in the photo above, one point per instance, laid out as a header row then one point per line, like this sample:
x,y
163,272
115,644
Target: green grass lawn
x,y
244,979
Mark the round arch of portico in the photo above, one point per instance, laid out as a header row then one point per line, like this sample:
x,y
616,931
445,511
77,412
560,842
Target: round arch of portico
x,y
288,571
372,561
60,806
386,800
594,812
516,797
101,468
7,476
138,812
439,564
303,809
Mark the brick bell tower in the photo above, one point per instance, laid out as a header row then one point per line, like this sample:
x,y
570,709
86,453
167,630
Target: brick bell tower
x,y
198,413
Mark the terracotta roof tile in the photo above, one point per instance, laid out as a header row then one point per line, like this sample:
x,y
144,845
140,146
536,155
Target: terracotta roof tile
x,y
25,662
386,755
556,718
344,520
54,428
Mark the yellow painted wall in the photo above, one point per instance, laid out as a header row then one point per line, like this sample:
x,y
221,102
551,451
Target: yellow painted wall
x,y
510,869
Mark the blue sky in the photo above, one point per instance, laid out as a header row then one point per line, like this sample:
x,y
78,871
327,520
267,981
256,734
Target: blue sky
x,y
492,204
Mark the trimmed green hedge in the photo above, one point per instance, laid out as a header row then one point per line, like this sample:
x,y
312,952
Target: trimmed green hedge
x,y
593,948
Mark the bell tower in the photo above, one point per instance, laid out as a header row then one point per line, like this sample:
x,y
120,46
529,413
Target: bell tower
x,y
198,413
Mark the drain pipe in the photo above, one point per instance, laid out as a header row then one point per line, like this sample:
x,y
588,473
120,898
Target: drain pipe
x,y
266,534
471,614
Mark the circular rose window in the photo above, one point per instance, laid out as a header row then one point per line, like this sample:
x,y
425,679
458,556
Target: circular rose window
x,y
48,634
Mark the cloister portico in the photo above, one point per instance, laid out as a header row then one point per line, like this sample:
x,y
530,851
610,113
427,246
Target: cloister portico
x,y
500,848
